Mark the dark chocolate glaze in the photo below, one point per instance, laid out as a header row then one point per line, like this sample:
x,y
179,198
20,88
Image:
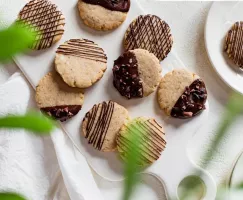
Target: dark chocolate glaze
x,y
151,33
191,102
82,48
45,17
114,5
126,77
62,113
98,123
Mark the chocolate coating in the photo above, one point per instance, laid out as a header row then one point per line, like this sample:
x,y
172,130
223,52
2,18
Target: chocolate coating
x,y
191,102
126,78
234,44
114,5
62,113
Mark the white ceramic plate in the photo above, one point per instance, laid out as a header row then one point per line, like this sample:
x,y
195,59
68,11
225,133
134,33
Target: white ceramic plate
x,y
221,17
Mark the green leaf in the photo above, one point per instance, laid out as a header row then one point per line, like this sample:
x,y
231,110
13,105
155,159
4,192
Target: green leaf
x,y
32,121
15,39
10,196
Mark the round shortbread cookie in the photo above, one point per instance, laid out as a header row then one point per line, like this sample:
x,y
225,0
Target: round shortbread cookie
x,y
182,94
57,99
45,18
103,15
234,44
145,137
102,123
136,73
80,62
151,33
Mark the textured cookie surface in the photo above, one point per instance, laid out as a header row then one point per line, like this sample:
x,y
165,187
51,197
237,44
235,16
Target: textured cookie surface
x,y
151,33
103,15
80,62
144,134
136,73
57,99
234,44
102,123
45,18
182,94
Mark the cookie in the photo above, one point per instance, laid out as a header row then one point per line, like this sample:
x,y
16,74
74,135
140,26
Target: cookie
x,y
151,33
45,18
182,94
57,99
101,125
234,44
103,15
149,137
80,62
136,73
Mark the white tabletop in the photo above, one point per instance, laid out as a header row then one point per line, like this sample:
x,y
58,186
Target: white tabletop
x,y
187,23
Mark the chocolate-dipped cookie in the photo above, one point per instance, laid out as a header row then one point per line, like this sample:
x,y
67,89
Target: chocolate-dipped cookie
x,y
80,62
101,125
136,73
44,17
103,15
151,33
234,44
182,94
58,100
149,137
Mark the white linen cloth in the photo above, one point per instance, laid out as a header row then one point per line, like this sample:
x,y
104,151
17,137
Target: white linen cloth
x,y
28,163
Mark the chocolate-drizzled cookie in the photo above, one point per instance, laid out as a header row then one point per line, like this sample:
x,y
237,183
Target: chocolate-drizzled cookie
x,y
57,99
45,20
136,73
80,62
182,94
102,123
103,14
234,44
151,33
145,137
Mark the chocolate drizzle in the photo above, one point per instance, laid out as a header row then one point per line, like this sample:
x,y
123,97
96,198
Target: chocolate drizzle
x,y
114,5
151,33
62,113
46,19
234,43
191,102
98,122
126,77
150,136
83,48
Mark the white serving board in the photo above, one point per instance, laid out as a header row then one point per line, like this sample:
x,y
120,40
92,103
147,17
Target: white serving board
x,y
36,64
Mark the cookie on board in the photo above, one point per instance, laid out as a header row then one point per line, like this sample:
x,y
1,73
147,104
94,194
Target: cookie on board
x,y
144,134
80,62
151,33
43,16
136,73
103,15
182,94
55,98
102,123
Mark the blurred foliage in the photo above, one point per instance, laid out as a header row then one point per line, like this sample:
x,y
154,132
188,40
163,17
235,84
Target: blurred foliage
x,y
10,196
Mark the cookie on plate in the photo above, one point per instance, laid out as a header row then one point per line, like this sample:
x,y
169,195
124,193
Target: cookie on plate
x,y
182,94
101,125
136,73
80,62
234,44
45,18
144,134
57,99
151,33
103,15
